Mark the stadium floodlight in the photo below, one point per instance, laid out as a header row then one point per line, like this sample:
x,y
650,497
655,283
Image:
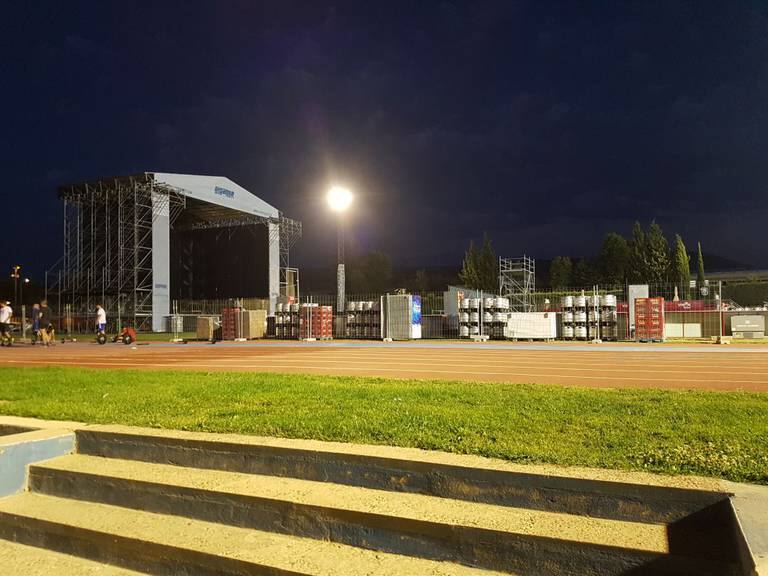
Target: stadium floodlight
x,y
339,198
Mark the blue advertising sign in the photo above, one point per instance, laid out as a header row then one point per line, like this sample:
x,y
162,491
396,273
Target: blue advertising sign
x,y
416,315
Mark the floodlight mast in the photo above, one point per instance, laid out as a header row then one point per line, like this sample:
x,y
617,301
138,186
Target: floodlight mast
x,y
339,200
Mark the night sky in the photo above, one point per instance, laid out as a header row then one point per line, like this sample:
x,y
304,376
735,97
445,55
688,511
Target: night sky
x,y
544,123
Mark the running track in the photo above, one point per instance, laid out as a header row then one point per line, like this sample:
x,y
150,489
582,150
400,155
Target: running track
x,y
705,367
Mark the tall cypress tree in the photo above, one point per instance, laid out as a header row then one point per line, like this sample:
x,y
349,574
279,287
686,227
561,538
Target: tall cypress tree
x,y
638,257
657,250
700,275
469,274
488,266
614,259
682,266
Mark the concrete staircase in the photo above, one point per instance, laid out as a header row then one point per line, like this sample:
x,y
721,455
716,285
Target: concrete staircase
x,y
156,502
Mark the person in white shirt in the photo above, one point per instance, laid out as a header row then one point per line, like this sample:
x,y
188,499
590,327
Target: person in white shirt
x,y
101,319
6,313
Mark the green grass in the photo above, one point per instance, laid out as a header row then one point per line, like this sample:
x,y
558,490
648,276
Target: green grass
x,y
723,434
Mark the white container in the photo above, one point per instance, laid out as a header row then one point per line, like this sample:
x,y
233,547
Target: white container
x,y
567,331
608,301
488,317
474,303
464,317
594,301
474,330
594,315
489,303
350,306
499,316
580,332
568,317
464,304
474,317
367,305
279,306
579,316
580,302
294,307
359,306
567,301
464,331
278,318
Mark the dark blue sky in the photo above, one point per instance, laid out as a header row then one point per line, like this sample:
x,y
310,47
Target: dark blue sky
x,y
544,123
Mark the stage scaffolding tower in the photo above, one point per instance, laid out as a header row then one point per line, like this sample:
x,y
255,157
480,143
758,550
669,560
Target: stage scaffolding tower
x,y
517,281
108,245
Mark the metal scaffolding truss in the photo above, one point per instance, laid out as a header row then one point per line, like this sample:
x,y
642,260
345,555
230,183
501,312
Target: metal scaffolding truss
x,y
517,281
108,242
290,232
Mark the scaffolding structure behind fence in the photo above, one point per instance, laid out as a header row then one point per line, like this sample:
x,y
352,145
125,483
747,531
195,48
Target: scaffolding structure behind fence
x,y
109,229
517,281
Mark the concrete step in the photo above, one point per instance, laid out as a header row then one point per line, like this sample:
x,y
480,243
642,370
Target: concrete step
x,y
605,494
21,560
173,545
484,535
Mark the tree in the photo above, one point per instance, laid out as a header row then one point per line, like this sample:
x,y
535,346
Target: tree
x,y
681,266
700,275
488,267
371,274
469,275
657,254
480,269
638,263
422,281
583,273
614,259
560,273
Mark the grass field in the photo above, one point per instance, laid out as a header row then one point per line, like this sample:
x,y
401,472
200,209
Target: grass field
x,y
722,434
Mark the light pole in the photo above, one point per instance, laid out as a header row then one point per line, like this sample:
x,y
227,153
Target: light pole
x,y
15,276
21,291
339,200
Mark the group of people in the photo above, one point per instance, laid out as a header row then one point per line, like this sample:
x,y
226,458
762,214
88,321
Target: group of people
x,y
43,330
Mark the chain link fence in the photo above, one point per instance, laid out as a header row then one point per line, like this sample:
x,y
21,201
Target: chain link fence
x,y
698,312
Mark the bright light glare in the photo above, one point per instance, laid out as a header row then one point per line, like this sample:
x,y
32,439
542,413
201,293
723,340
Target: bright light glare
x,y
339,198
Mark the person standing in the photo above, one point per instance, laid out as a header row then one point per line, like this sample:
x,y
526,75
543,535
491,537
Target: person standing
x,y
47,330
101,319
35,323
6,313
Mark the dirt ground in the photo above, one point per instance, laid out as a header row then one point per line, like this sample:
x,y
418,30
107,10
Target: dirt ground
x,y
705,367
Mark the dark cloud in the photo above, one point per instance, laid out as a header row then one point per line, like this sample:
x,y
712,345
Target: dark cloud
x,y
544,123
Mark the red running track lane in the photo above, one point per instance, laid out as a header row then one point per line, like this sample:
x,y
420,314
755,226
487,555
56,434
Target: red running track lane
x,y
602,367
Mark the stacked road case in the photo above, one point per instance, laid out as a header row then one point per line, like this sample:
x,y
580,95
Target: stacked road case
x,y
649,319
287,321
316,322
363,320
